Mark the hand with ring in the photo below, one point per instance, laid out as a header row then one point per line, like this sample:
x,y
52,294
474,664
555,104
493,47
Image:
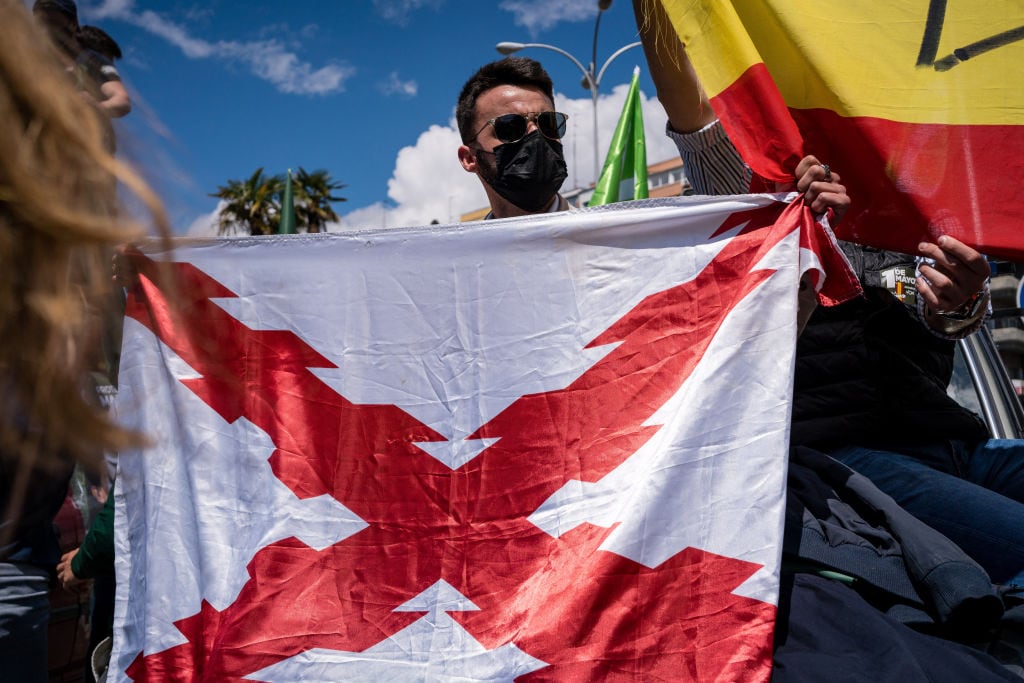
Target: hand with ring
x,y
821,187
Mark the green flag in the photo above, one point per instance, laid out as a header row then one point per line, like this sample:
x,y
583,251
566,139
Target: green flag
x,y
287,226
626,163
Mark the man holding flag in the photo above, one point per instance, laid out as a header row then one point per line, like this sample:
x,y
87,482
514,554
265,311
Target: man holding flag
x,y
871,373
511,141
469,454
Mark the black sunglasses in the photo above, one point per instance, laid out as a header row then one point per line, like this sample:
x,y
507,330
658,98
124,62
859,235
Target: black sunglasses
x,y
512,127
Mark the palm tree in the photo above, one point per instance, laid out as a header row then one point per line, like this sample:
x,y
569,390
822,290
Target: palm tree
x,y
313,194
253,205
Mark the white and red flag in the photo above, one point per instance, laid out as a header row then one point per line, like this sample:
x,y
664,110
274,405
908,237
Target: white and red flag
x,y
550,448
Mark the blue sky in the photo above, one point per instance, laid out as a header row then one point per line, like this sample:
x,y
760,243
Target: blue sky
x,y
363,88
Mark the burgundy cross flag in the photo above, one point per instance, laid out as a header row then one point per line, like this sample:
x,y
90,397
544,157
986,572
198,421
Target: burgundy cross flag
x,y
548,448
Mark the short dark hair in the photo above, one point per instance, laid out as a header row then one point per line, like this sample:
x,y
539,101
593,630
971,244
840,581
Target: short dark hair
x,y
98,40
521,71
65,7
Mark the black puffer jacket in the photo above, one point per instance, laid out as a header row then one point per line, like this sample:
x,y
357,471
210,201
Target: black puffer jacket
x,y
869,373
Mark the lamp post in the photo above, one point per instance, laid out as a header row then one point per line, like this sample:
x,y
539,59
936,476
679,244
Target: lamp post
x,y
591,76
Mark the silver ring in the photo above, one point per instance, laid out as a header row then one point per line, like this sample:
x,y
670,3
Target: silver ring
x,y
828,172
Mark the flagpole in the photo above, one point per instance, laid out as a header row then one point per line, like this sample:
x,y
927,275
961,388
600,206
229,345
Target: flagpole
x,y
287,224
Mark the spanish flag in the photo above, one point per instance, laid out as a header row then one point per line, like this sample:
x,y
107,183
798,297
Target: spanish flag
x,y
918,104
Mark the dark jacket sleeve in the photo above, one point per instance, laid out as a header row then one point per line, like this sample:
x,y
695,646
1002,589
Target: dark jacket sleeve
x,y
96,555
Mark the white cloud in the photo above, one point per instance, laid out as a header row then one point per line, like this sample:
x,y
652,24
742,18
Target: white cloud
x,y
269,60
540,15
398,11
396,86
206,224
199,14
578,142
111,8
194,48
429,183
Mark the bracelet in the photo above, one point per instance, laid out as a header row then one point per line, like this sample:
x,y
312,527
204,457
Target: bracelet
x,y
967,310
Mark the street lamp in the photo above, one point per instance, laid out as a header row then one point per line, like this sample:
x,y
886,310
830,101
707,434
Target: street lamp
x,y
591,77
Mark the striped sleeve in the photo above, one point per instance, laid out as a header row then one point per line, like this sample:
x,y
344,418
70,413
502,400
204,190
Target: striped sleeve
x,y
710,161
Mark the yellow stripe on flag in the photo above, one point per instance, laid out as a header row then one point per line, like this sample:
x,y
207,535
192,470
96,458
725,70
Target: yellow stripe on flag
x,y
918,105
895,60
715,40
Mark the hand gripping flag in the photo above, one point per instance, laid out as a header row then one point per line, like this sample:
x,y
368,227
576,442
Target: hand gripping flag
x,y
624,175
917,104
548,448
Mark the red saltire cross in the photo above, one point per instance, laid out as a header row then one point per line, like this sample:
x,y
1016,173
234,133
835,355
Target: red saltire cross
x,y
589,614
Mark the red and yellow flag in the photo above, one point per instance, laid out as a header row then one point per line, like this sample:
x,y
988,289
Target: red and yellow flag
x,y
919,105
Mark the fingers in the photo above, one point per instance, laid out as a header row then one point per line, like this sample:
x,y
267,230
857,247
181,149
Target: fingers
x,y
805,165
64,574
938,292
822,188
810,170
948,292
953,256
824,196
958,273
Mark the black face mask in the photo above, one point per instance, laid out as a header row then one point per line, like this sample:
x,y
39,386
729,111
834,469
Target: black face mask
x,y
528,172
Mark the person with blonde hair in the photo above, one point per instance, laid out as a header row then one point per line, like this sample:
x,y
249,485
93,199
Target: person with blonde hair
x,y
59,222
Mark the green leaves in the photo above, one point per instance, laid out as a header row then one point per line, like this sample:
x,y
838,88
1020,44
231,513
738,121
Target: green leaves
x,y
253,206
313,199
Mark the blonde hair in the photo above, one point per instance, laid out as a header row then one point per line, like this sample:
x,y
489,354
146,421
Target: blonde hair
x,y
59,223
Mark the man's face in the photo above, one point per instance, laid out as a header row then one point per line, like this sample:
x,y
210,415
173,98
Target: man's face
x,y
506,99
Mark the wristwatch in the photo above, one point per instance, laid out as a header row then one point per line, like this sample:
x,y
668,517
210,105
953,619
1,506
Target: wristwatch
x,y
968,310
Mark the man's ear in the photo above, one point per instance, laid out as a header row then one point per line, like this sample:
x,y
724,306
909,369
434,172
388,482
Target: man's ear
x,y
467,158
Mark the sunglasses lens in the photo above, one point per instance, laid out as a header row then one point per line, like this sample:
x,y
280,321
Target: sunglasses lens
x,y
551,124
510,127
